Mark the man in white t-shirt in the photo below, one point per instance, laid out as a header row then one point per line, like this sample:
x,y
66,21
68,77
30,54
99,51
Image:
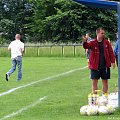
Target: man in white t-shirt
x,y
17,48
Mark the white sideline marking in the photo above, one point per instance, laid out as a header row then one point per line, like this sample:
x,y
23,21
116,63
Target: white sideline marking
x,y
45,79
23,109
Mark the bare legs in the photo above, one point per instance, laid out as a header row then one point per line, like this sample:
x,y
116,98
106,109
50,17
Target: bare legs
x,y
94,85
104,85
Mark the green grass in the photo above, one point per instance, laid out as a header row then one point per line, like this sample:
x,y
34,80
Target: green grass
x,y
65,93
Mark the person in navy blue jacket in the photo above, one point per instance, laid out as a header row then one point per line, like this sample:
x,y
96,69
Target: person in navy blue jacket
x,y
116,49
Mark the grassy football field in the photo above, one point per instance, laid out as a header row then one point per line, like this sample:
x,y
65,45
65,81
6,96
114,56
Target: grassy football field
x,y
52,88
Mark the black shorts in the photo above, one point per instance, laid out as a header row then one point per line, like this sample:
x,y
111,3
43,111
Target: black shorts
x,y
103,73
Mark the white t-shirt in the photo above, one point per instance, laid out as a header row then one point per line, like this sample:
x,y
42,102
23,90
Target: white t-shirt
x,y
15,47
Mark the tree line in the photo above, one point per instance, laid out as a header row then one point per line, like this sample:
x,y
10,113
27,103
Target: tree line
x,y
52,20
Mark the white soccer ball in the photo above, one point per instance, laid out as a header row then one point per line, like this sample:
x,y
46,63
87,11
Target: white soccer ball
x,y
111,109
102,101
103,110
83,110
92,110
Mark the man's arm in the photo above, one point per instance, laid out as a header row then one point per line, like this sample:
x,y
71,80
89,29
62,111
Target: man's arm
x,y
84,39
113,65
116,48
86,45
9,48
22,51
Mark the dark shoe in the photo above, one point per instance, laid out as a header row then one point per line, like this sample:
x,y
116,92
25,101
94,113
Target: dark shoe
x,y
7,77
18,79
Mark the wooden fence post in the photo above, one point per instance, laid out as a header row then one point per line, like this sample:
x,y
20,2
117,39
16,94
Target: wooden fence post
x,y
74,50
62,50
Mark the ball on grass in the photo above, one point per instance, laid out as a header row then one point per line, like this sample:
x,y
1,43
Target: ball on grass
x,y
83,110
111,109
92,110
102,101
103,110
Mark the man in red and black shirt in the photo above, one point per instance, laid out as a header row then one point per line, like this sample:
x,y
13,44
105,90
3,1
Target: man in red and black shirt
x,y
101,58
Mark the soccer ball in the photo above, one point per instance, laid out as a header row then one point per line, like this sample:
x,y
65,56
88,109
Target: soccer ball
x,y
102,101
83,110
103,110
110,109
92,110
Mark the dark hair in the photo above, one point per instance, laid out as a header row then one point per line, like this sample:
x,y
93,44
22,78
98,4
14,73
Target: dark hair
x,y
98,29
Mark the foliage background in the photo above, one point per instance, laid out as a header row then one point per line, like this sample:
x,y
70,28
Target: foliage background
x,y
52,20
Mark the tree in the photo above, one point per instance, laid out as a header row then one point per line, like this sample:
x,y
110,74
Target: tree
x,y
73,20
19,12
5,27
53,20
42,9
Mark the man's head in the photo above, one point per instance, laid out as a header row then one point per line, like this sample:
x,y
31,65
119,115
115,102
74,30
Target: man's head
x,y
116,35
100,33
17,36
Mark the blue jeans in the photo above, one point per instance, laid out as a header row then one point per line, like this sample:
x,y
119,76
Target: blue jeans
x,y
16,61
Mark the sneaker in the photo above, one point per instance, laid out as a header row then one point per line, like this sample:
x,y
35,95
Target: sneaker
x,y
7,77
19,79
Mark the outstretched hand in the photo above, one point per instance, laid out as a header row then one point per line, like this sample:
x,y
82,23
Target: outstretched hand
x,y
84,38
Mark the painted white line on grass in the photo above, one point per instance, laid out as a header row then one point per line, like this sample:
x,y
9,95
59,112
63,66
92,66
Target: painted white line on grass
x,y
24,109
45,79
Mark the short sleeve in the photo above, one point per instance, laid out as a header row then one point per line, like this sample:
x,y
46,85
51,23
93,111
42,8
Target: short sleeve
x,y
22,45
9,47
